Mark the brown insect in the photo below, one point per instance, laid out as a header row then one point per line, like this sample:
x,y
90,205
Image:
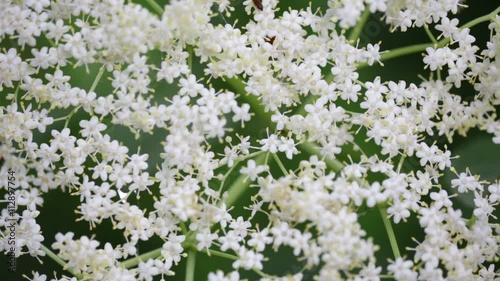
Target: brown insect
x,y
270,39
258,4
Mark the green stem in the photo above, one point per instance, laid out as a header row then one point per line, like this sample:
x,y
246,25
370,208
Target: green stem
x,y
220,254
403,51
59,261
68,117
471,221
157,8
51,42
226,175
16,92
248,156
190,57
191,262
184,229
97,78
429,33
359,26
151,255
400,164
144,257
280,164
239,186
233,257
390,232
488,17
260,273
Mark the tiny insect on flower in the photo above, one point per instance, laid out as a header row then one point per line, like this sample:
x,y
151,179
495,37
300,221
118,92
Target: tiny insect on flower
x,y
270,39
258,4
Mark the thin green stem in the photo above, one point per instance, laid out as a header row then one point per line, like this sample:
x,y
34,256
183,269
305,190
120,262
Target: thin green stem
x,y
488,17
184,229
251,155
429,33
68,118
226,175
51,42
60,119
190,56
97,78
232,257
157,8
361,84
280,164
16,92
191,262
152,255
59,261
267,157
471,221
400,164
260,273
402,52
359,26
248,156
239,186
144,257
390,232
92,88
220,254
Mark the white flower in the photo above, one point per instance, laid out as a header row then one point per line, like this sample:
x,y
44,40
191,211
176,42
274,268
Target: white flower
x,y
441,199
349,91
38,277
447,27
230,241
91,128
240,226
402,270
205,239
252,170
288,146
466,182
147,270
248,259
260,239
219,276
399,210
270,144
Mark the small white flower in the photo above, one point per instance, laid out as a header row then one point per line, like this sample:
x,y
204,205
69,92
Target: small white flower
x,y
91,128
288,146
252,170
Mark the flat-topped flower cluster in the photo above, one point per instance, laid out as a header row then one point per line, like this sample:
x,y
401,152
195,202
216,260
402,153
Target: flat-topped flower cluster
x,y
269,67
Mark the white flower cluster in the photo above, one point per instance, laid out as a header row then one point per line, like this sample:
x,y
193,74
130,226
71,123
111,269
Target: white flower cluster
x,y
57,136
